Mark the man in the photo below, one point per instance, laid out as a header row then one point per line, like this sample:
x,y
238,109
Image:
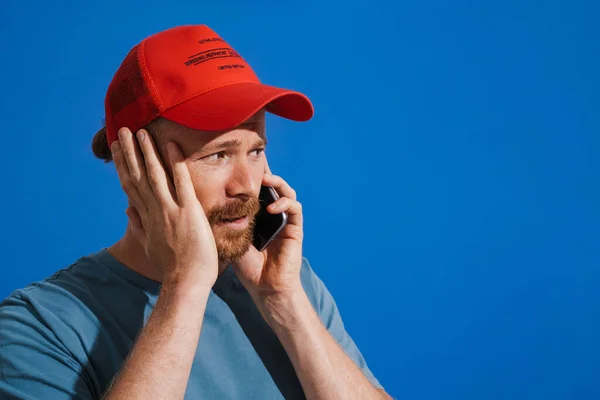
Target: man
x,y
183,306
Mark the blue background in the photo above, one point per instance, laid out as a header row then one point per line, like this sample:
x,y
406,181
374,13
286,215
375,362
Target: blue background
x,y
449,177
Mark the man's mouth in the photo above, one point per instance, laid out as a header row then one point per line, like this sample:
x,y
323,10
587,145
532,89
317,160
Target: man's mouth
x,y
233,219
236,222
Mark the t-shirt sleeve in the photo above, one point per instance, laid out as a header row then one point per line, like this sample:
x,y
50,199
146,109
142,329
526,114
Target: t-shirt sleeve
x,y
325,305
33,362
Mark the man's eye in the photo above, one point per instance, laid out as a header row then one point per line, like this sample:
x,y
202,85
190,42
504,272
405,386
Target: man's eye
x,y
215,157
258,151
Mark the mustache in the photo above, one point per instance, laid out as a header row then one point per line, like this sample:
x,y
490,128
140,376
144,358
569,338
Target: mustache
x,y
234,209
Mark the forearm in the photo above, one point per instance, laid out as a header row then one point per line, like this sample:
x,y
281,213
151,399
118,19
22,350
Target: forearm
x,y
325,371
160,362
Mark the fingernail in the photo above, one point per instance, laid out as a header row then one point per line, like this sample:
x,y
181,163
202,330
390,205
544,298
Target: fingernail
x,y
122,134
141,136
115,147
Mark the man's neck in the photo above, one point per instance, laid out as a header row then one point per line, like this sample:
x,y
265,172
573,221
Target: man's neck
x,y
129,252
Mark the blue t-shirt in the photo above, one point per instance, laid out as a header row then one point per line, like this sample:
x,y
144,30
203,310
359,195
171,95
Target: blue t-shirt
x,y
67,336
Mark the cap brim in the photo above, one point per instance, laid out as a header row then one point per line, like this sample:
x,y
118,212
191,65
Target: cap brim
x,y
229,106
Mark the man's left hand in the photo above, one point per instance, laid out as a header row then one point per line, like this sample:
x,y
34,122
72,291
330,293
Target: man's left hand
x,y
275,271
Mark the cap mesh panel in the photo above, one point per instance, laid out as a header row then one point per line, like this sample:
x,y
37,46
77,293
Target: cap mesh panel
x,y
128,85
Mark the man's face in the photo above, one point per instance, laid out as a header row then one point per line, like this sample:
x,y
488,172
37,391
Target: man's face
x,y
227,169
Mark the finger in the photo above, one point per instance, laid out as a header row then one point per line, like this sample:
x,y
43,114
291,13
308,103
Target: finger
x,y
293,208
137,168
134,217
123,171
281,186
155,171
182,180
137,226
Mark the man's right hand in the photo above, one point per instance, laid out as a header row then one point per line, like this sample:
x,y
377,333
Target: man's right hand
x,y
175,232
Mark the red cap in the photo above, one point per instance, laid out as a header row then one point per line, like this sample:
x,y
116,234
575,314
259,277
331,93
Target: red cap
x,y
191,76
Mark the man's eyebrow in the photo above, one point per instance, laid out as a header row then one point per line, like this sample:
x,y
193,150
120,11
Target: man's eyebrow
x,y
213,148
262,142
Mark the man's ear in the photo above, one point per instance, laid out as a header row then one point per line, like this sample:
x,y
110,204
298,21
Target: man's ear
x,y
136,224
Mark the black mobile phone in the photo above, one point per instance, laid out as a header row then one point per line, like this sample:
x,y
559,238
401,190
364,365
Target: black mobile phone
x,y
267,225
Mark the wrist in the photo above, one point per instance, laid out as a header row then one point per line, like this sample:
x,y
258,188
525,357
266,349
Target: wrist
x,y
185,288
285,310
185,279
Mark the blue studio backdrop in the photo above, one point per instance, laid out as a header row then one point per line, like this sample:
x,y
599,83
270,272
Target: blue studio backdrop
x,y
449,177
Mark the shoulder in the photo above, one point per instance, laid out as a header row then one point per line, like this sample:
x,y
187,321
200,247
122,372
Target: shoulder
x,y
60,294
315,288
41,329
41,296
64,310
44,306
309,279
35,322
307,275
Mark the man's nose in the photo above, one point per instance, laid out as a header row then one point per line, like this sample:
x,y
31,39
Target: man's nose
x,y
241,183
